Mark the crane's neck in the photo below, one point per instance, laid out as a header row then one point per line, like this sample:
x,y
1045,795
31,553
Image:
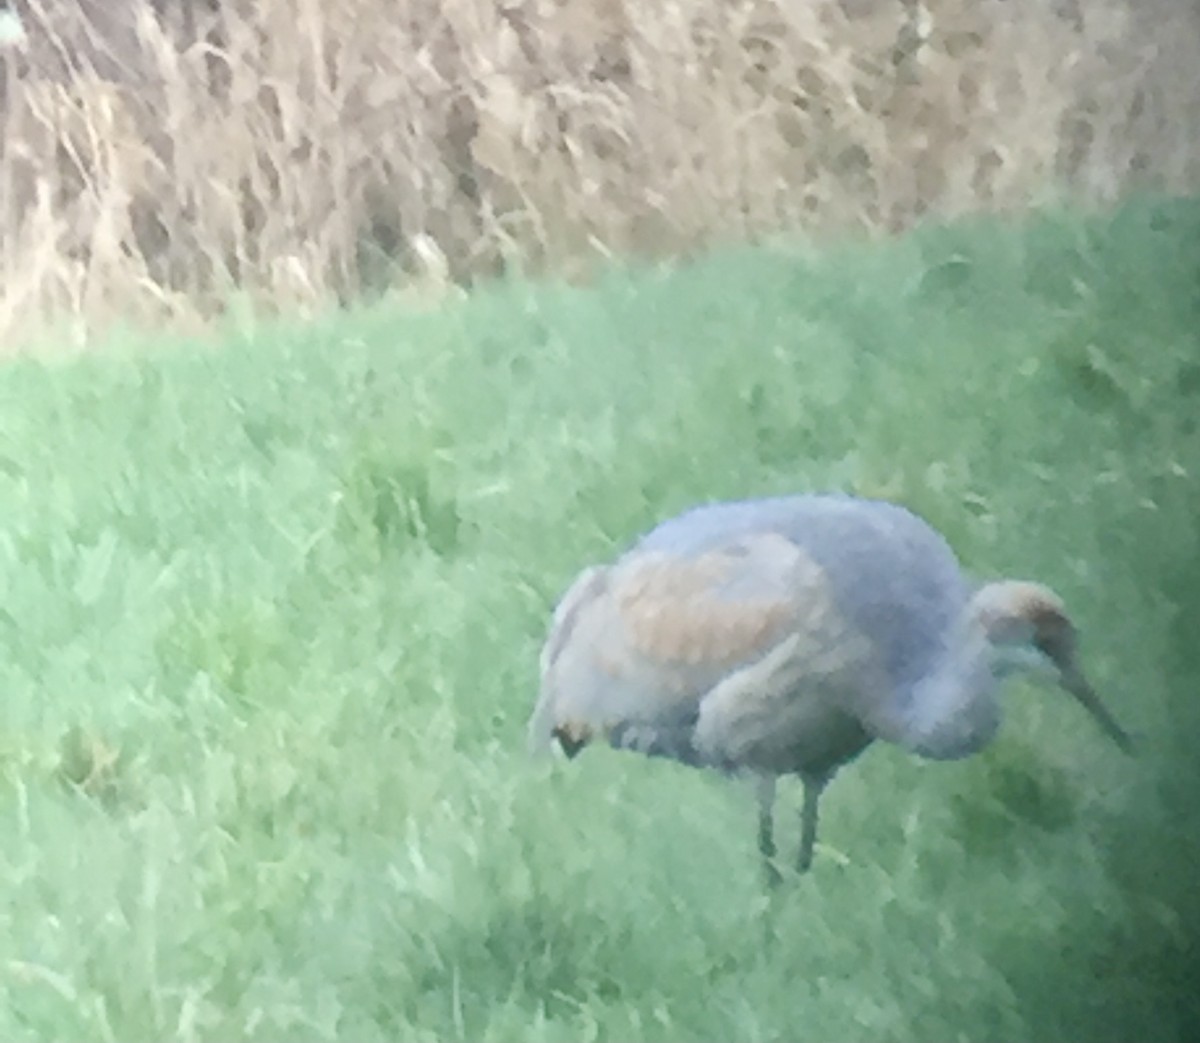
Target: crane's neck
x,y
953,710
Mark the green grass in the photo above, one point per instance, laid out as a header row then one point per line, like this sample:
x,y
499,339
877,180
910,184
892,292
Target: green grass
x,y
272,612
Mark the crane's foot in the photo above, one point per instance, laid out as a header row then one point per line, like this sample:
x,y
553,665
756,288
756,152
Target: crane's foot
x,y
772,874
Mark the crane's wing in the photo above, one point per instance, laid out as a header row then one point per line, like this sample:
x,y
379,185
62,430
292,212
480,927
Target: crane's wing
x,y
696,655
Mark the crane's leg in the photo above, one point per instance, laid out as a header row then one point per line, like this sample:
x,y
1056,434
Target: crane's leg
x,y
813,788
766,826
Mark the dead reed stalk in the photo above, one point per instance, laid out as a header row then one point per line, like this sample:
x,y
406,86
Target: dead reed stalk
x,y
155,157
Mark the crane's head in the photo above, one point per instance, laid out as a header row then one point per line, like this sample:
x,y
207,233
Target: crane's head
x,y
1030,632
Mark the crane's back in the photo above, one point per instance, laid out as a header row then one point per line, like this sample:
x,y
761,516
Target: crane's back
x,y
892,575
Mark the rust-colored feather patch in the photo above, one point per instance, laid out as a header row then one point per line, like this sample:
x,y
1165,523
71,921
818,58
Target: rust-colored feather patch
x,y
675,612
1054,633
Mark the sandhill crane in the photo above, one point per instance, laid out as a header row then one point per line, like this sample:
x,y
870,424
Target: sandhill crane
x,y
783,636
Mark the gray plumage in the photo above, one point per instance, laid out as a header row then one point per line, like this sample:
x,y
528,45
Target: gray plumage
x,y
783,636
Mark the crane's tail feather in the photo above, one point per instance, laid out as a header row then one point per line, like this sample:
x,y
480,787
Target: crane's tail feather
x,y
543,727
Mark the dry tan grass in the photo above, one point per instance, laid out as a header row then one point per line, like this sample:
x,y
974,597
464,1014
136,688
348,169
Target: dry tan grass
x,y
306,150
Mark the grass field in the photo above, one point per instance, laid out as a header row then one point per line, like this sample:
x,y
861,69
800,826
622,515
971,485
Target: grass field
x,y
272,612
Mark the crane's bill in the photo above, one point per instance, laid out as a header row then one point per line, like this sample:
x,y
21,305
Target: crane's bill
x,y
1075,683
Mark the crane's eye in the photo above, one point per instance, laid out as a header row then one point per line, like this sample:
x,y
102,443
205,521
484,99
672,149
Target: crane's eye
x,y
1054,637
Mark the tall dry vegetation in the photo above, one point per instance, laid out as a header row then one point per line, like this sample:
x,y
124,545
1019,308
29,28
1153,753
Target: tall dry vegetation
x,y
307,150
